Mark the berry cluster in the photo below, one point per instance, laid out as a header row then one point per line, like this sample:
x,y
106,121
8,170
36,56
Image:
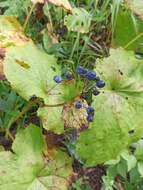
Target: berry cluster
x,y
91,76
89,110
67,76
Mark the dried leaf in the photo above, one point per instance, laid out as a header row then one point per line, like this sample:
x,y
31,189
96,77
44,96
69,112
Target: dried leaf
x,y
75,118
62,3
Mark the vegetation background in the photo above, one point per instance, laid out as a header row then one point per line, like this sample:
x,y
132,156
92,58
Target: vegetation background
x,y
71,95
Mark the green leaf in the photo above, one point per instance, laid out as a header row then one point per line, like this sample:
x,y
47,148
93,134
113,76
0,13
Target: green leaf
x,y
140,168
119,109
30,70
136,6
122,168
130,159
79,21
52,119
139,150
125,33
27,168
15,7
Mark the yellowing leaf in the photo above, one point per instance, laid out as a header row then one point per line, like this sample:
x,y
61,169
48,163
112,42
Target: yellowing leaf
x,y
62,3
11,33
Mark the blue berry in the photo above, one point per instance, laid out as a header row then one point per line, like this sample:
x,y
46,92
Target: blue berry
x,y
81,70
57,79
100,84
90,110
68,75
78,105
90,118
90,75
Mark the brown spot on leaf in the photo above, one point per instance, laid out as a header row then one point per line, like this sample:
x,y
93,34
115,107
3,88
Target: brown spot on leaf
x,y
22,64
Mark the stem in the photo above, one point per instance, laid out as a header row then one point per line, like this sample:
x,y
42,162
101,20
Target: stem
x,y
50,20
133,40
8,134
119,184
83,48
28,16
55,105
75,44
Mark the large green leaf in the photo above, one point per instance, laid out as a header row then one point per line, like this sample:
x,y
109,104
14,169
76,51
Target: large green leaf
x,y
30,70
27,168
118,109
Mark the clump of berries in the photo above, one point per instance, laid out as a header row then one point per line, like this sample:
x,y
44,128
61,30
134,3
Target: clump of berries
x,y
91,76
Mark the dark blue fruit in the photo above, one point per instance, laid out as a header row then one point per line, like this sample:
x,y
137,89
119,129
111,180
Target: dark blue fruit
x,y
90,118
95,92
68,75
57,79
91,75
81,70
90,110
78,105
100,84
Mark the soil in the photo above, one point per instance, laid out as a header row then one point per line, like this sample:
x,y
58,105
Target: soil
x,y
91,176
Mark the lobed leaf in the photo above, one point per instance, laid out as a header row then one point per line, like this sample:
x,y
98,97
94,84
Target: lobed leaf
x,y
79,21
118,109
28,169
